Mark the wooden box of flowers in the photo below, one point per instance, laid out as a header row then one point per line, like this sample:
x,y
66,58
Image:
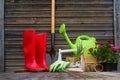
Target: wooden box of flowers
x,y
107,54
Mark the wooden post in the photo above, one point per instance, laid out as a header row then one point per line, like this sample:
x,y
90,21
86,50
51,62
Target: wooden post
x,y
115,22
1,35
117,13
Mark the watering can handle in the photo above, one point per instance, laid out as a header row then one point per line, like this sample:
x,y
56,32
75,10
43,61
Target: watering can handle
x,y
84,37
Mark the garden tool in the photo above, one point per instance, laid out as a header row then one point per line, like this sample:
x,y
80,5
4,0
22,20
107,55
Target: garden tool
x,y
87,42
52,51
29,40
61,65
41,50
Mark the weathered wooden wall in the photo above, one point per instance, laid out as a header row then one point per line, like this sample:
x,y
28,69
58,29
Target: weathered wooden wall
x,y
1,35
88,17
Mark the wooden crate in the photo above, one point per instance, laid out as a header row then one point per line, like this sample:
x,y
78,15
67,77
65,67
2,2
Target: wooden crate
x,y
90,59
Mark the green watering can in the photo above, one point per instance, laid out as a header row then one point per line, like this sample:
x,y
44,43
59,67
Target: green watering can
x,y
84,40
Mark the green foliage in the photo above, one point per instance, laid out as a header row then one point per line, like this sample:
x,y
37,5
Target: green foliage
x,y
105,52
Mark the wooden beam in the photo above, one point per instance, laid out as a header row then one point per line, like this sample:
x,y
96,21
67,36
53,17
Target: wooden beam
x,y
117,25
1,35
117,9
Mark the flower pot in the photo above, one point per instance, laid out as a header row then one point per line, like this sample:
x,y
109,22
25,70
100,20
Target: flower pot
x,y
107,66
115,66
104,68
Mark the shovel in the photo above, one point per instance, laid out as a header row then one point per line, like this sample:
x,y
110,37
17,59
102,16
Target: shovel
x,y
52,51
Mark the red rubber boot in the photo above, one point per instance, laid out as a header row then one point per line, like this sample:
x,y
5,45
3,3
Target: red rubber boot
x,y
41,50
29,38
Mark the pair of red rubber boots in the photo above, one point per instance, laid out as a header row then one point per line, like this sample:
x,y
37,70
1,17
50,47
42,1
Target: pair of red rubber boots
x,y
34,46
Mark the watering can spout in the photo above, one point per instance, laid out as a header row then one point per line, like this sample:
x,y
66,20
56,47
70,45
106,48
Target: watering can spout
x,y
62,30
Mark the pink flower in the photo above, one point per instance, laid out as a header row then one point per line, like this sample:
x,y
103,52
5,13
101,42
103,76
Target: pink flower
x,y
91,49
115,48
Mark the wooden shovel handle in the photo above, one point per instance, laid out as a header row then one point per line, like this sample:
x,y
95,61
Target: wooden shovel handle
x,y
52,16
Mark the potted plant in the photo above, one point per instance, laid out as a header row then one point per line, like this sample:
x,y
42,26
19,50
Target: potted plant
x,y
106,54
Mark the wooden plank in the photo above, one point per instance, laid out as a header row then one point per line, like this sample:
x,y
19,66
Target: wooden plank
x,y
12,69
58,20
28,1
1,35
66,9
61,2
84,1
46,14
67,25
14,62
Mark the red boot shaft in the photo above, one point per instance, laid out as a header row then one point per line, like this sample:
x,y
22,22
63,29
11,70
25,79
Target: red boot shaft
x,y
41,50
29,38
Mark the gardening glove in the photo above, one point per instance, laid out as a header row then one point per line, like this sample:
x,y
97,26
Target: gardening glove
x,y
59,66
